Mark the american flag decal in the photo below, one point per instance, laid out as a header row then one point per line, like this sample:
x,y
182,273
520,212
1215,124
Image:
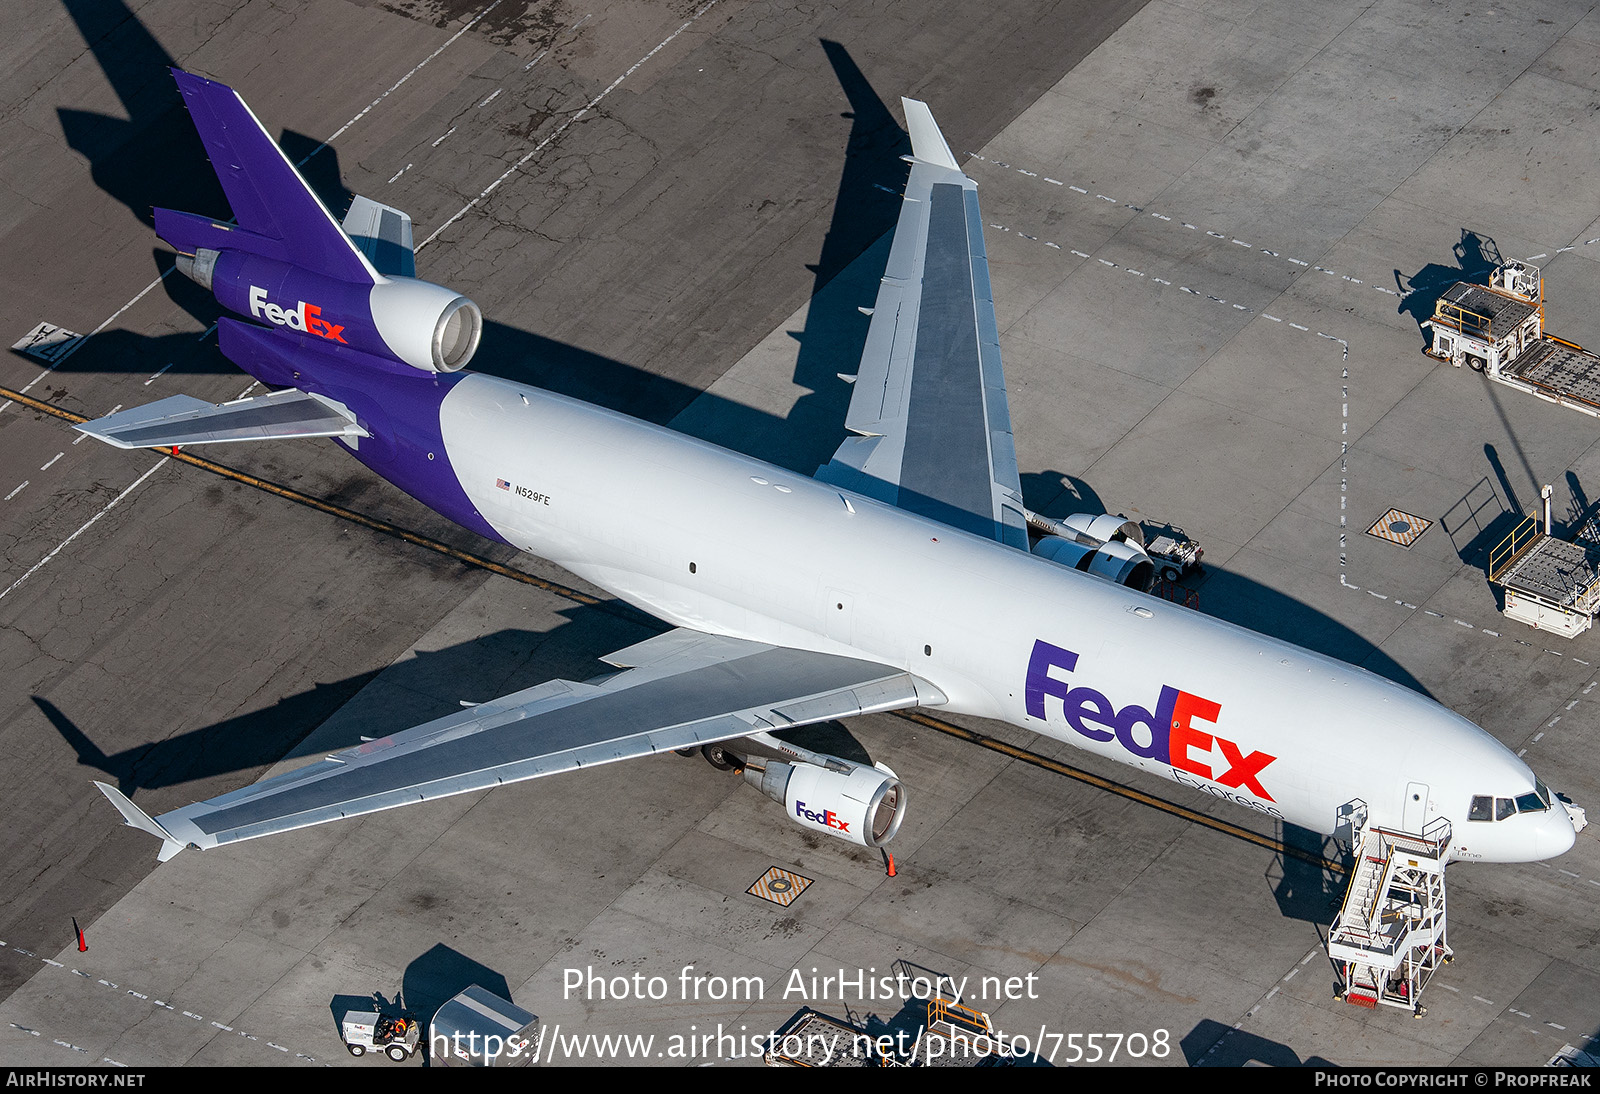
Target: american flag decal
x,y
502,484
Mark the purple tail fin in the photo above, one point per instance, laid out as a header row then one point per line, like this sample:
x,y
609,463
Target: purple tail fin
x,y
278,214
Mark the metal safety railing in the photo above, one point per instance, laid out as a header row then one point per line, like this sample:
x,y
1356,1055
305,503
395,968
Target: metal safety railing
x,y
1508,550
1464,320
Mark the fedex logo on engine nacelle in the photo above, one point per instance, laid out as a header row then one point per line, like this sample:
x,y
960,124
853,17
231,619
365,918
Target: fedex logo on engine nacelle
x,y
1166,734
306,317
827,818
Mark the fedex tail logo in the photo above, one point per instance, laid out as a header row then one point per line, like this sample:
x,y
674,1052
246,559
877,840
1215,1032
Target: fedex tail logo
x,y
306,317
1167,734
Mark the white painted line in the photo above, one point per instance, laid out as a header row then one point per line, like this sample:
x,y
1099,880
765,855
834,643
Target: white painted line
x,y
1189,226
57,964
535,61
1107,262
1053,182
396,86
493,96
1297,262
400,172
1574,702
1057,246
1274,318
447,132
1240,243
1297,326
1486,630
1464,623
18,490
1079,189
563,126
1569,873
1102,197
206,332
1537,736
1481,999
159,371
1161,281
1522,752
1447,987
1580,661
86,526
1556,1025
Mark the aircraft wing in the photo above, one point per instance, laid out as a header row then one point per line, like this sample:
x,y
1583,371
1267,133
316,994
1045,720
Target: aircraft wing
x,y
680,689
933,432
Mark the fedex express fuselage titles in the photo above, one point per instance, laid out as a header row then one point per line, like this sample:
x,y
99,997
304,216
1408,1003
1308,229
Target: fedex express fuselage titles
x,y
712,540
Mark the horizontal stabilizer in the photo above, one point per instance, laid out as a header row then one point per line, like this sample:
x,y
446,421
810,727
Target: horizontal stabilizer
x,y
134,817
185,420
383,233
268,196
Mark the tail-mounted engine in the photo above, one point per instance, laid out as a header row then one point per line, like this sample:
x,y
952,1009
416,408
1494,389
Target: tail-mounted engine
x,y
849,801
427,326
1106,546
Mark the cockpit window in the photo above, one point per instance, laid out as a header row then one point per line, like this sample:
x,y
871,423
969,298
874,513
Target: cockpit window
x,y
1531,803
1503,808
1482,808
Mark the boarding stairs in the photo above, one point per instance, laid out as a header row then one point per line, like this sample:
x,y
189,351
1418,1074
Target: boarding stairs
x,y
1389,936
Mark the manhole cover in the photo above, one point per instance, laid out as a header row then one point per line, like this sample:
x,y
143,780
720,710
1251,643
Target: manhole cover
x,y
1397,527
779,886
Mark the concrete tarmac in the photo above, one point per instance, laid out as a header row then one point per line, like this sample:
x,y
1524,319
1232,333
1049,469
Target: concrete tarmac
x,y
1212,233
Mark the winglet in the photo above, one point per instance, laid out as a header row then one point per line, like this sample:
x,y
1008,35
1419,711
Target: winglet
x,y
927,143
134,817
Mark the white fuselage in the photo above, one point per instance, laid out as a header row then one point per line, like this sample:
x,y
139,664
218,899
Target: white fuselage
x,y
712,540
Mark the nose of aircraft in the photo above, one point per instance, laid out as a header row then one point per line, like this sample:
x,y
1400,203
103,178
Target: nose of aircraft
x,y
1556,835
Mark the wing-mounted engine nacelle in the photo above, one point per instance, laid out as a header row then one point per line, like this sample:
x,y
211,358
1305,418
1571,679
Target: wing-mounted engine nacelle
x,y
424,325
1104,545
858,804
